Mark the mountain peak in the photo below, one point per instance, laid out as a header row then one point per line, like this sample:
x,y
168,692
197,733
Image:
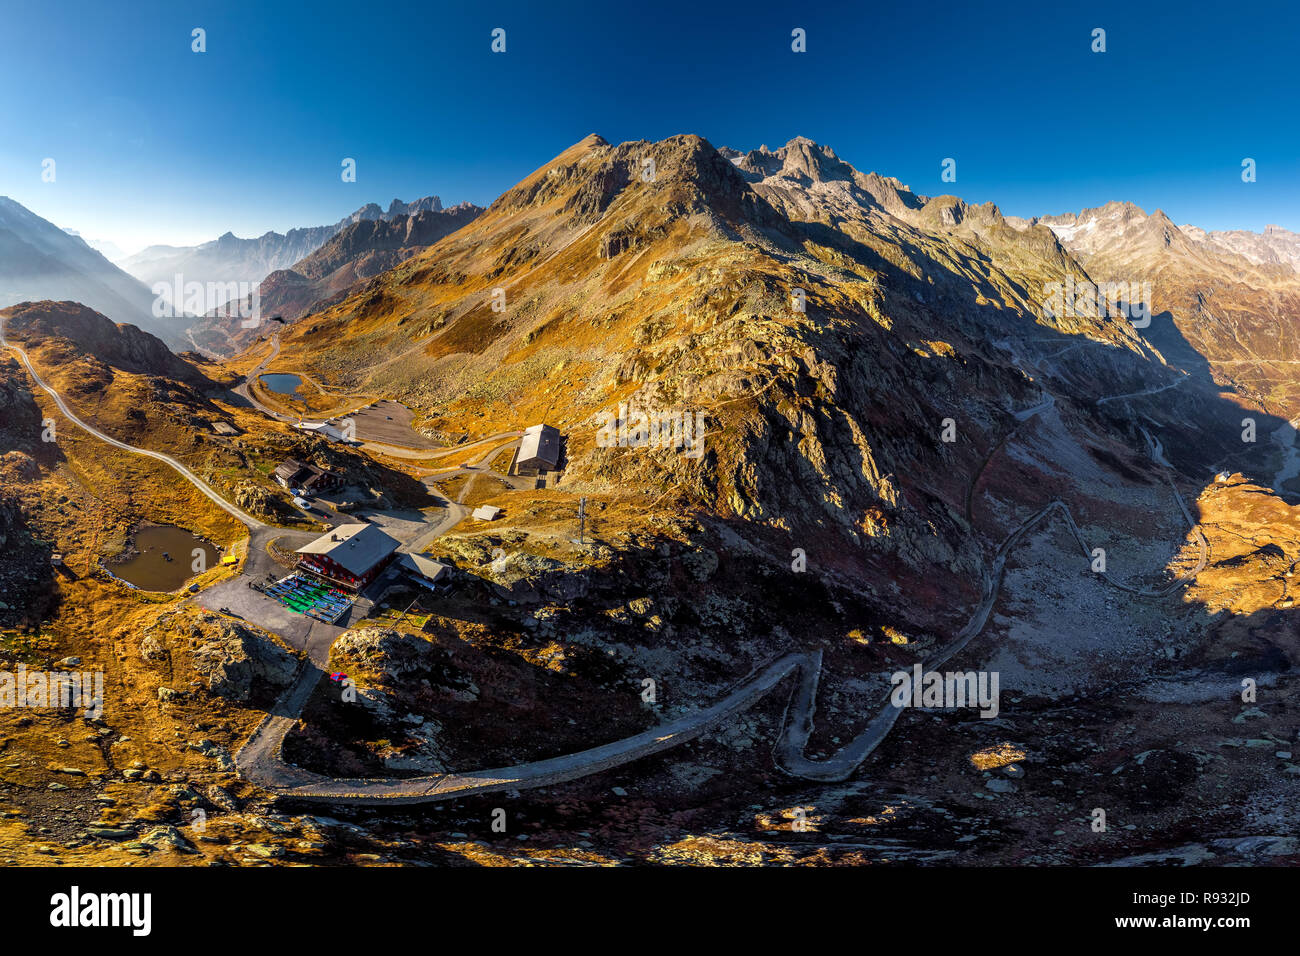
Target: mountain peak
x,y
398,208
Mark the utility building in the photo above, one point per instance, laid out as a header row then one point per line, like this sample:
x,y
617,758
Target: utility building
x,y
539,450
434,575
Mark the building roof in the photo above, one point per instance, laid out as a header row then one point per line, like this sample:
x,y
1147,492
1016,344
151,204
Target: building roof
x,y
540,445
427,568
355,547
313,476
288,468
294,472
487,512
327,429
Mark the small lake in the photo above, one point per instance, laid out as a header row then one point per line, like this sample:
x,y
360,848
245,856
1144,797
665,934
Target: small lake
x,y
164,558
282,382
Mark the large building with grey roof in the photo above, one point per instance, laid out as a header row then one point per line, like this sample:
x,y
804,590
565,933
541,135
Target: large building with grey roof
x,y
351,555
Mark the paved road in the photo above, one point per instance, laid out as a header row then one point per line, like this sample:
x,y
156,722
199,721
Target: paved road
x,y
1021,416
243,389
391,451
1042,406
260,760
396,451
251,522
1149,391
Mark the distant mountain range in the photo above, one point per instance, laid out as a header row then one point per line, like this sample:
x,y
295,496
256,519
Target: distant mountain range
x,y
229,259
38,260
359,251
1227,302
109,250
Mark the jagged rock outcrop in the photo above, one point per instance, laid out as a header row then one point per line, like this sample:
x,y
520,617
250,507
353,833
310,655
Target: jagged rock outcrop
x,y
234,660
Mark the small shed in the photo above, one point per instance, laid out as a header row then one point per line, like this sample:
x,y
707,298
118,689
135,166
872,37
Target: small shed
x,y
329,430
487,513
426,571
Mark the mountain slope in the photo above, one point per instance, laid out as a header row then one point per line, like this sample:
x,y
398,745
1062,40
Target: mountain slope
x,y
834,329
108,249
678,295
39,261
1231,299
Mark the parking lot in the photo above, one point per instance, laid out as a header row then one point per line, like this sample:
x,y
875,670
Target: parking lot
x,y
389,423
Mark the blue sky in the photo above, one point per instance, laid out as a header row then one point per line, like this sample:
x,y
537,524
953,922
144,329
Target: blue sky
x,y
155,143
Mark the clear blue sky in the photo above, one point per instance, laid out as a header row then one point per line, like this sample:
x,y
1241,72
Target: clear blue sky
x,y
154,143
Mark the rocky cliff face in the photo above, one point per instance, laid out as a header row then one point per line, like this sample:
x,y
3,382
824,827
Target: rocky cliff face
x,y
26,579
235,661
20,417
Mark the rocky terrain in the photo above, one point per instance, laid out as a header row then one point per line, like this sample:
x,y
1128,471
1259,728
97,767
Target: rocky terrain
x,y
887,404
1224,305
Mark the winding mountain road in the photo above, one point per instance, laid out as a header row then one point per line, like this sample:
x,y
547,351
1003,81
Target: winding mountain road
x,y
245,390
238,513
260,760
1149,391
